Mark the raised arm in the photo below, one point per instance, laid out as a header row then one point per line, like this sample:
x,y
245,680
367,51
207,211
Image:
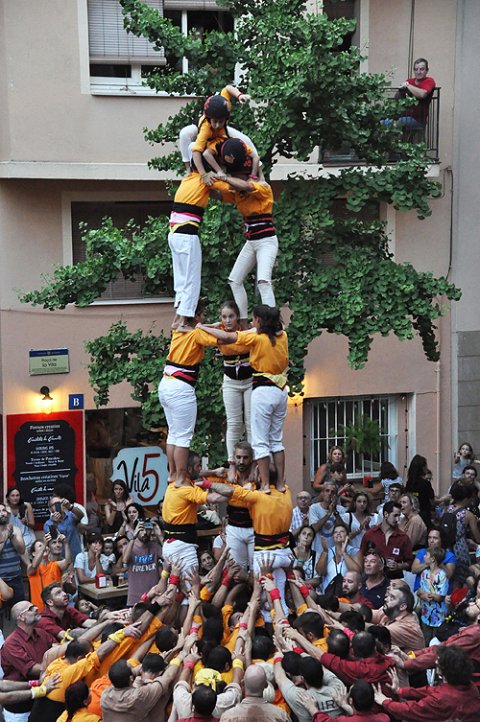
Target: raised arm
x,y
220,334
29,519
63,564
37,558
17,541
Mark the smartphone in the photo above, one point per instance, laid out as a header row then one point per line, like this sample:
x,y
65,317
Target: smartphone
x,y
53,531
58,507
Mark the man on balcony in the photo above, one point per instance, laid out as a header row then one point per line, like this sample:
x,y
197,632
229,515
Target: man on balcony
x,y
420,87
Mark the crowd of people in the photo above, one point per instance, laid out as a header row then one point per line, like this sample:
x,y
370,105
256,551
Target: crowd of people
x,y
335,607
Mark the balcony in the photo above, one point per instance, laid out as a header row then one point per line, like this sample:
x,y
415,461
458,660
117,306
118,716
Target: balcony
x,y
428,135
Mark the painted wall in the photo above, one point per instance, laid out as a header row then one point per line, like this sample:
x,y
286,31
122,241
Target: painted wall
x,y
46,115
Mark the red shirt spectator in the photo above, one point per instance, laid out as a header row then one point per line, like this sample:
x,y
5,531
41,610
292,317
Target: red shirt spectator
x,y
23,651
372,669
54,625
391,543
467,639
445,702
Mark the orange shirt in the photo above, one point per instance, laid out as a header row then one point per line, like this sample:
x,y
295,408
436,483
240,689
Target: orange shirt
x,y
44,575
180,504
98,687
257,201
70,673
127,646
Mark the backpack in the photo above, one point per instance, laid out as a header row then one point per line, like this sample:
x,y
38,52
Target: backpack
x,y
448,528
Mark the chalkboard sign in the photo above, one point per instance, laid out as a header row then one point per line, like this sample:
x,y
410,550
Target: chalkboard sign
x,y
44,450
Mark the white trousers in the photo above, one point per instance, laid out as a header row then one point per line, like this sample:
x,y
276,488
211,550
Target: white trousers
x,y
180,406
281,560
188,134
187,271
268,413
240,542
262,253
236,399
15,716
181,553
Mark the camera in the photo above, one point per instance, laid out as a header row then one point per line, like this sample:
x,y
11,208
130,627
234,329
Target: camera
x,y
148,526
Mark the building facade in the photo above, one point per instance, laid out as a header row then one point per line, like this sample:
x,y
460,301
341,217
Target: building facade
x,y
72,113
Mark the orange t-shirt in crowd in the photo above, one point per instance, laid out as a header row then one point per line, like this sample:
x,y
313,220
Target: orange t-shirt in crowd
x,y
44,575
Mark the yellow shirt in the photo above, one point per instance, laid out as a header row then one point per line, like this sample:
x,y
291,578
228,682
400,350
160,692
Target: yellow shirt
x,y
190,201
206,135
226,676
81,715
70,673
322,642
180,504
188,349
271,513
267,359
193,191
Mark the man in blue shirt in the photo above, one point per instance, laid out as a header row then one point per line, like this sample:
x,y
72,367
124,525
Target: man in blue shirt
x,y
65,518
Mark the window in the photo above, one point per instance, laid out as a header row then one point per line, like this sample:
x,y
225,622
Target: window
x,y
329,416
121,212
120,61
198,17
117,57
348,9
107,432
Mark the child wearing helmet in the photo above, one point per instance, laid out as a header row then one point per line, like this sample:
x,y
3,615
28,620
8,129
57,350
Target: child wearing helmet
x,y
253,198
212,129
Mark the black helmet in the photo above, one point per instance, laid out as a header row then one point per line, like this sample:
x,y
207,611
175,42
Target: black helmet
x,y
234,154
216,106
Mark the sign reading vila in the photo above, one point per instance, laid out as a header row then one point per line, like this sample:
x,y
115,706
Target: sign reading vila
x,y
49,361
144,471
43,451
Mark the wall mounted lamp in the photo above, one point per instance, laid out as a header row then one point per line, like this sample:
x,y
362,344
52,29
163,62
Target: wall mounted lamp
x,y
46,400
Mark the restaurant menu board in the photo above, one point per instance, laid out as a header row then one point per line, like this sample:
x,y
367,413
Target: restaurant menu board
x,y
42,451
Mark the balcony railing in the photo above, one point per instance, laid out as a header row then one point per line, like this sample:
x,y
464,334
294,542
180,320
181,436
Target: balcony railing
x,y
428,136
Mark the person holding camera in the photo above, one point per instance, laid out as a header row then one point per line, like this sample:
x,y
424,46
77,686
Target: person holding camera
x,y
50,559
64,519
143,555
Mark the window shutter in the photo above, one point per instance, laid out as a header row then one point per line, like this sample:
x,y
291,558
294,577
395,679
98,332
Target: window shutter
x,y
109,41
193,5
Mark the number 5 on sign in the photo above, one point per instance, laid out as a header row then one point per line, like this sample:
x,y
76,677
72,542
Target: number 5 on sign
x,y
144,471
